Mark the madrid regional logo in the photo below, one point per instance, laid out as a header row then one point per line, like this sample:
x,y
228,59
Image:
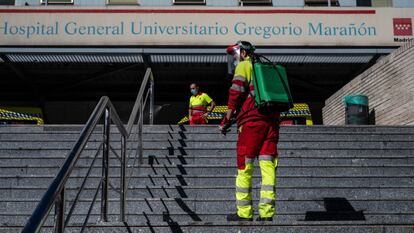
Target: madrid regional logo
x,y
403,29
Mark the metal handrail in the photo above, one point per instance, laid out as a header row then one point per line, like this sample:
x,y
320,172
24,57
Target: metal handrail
x,y
55,194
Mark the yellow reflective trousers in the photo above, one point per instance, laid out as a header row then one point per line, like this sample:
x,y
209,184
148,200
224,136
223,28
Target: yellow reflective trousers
x,y
244,201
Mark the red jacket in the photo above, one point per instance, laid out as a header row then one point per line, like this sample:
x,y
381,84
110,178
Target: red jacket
x,y
241,96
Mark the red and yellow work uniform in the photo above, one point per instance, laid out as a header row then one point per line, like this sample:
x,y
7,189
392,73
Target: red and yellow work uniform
x,y
198,107
258,137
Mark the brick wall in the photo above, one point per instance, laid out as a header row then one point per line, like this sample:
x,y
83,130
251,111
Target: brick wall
x,y
389,85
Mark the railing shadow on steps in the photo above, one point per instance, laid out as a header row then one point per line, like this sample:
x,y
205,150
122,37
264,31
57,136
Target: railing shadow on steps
x,y
55,194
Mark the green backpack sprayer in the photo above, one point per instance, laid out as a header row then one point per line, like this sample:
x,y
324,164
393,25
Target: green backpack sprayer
x,y
271,87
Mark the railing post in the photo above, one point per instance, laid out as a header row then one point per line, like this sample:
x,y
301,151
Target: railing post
x,y
60,212
123,170
151,108
105,165
140,123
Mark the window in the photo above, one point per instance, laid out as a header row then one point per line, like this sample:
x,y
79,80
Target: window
x,y
123,2
375,3
255,2
189,2
403,3
347,3
56,1
321,3
6,2
363,2
382,3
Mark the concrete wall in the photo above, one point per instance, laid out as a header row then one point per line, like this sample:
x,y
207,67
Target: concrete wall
x,y
389,85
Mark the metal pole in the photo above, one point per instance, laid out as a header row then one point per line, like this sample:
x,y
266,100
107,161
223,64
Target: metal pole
x,y
329,3
60,212
140,123
105,166
151,113
123,170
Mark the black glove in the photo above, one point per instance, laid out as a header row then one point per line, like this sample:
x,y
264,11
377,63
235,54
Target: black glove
x,y
225,126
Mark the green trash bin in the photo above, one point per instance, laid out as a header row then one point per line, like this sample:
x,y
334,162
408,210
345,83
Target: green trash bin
x,y
356,110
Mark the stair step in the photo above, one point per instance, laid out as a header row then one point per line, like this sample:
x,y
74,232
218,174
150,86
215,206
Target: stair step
x,y
391,170
223,180
255,227
214,137
202,145
310,192
216,221
189,205
212,219
215,160
209,128
322,152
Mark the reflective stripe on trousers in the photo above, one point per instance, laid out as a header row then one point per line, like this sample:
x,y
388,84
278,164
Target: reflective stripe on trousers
x,y
267,193
244,191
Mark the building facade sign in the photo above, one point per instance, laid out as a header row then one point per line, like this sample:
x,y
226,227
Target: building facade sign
x,y
205,26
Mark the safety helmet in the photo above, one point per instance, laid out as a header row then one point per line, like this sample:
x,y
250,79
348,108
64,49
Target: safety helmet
x,y
242,45
233,54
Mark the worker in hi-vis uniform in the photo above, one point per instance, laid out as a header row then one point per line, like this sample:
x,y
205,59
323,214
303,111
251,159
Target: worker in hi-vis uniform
x,y
199,102
258,138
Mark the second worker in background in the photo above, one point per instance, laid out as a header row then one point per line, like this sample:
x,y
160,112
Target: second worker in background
x,y
199,101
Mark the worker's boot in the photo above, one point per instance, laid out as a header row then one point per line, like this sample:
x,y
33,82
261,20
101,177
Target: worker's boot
x,y
237,218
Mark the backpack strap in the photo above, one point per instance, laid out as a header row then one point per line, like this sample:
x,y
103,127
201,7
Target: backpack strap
x,y
254,76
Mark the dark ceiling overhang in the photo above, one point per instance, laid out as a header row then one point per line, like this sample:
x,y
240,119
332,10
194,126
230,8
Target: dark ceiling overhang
x,y
87,73
303,55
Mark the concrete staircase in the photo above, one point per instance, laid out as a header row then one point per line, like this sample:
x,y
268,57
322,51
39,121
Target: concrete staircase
x,y
330,179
